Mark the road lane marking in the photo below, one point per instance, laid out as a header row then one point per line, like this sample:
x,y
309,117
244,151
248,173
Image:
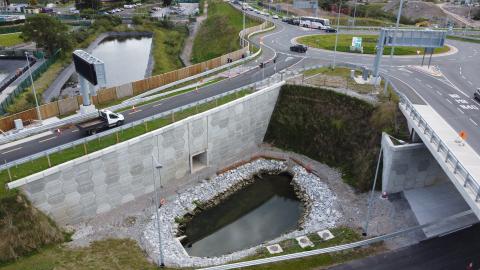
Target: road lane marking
x,y
464,77
429,86
470,82
156,105
11,150
438,92
132,112
471,120
47,139
418,80
75,130
449,101
460,110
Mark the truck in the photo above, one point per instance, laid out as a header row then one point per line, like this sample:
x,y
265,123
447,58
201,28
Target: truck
x,y
106,119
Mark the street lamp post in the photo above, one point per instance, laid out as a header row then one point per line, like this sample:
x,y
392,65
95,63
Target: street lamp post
x,y
354,12
33,87
157,166
399,14
336,35
243,31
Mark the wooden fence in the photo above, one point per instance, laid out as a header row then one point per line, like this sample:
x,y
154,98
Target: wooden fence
x,y
107,95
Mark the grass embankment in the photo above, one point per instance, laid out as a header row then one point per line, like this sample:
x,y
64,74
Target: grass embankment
x,y
218,34
41,164
327,42
343,235
7,40
167,46
105,254
24,229
339,78
335,129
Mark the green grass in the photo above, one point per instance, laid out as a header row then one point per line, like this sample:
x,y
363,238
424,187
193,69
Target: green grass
x,y
7,40
105,254
464,39
218,34
41,164
343,235
167,46
369,42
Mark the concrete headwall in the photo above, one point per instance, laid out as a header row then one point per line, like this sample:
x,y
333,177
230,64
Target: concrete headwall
x,y
408,166
96,183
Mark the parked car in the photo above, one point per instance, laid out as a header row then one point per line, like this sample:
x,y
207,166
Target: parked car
x,y
476,95
330,30
298,48
275,17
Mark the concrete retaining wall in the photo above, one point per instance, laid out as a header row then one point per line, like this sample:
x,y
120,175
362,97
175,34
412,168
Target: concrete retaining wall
x,y
96,183
408,166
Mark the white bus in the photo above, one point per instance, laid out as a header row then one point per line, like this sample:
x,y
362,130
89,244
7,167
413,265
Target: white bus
x,y
314,22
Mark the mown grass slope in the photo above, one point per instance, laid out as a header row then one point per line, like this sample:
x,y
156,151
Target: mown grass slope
x,y
218,34
7,40
333,128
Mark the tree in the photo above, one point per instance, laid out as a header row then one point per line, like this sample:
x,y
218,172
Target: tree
x,y
33,2
48,32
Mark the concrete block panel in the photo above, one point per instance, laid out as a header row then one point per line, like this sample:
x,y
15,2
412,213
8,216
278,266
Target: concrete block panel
x,y
106,179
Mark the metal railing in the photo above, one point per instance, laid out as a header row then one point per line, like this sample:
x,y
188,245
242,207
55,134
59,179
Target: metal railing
x,y
46,153
447,155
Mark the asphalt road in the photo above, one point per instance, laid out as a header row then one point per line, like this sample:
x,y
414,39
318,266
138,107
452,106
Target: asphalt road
x,y
460,69
453,251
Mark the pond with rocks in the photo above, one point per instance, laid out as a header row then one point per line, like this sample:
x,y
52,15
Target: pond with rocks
x,y
236,213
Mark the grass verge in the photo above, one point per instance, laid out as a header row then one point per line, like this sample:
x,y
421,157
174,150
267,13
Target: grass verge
x,y
343,235
369,42
7,40
44,163
464,39
218,34
105,254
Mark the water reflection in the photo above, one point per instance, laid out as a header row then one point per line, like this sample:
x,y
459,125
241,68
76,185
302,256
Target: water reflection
x,y
262,211
126,59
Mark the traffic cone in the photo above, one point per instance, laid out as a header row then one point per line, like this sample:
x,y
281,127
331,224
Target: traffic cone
x,y
58,131
384,195
133,108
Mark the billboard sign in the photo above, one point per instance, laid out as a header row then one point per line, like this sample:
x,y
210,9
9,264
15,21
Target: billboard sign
x,y
89,67
305,4
414,38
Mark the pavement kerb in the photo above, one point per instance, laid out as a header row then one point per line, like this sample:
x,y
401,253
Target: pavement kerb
x,y
452,50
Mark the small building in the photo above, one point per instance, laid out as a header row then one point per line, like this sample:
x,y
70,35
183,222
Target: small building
x,y
31,10
18,8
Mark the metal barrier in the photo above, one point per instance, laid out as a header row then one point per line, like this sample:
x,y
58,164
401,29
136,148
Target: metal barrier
x,y
442,149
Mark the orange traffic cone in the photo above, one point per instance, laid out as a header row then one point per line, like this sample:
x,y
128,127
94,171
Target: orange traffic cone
x,y
133,108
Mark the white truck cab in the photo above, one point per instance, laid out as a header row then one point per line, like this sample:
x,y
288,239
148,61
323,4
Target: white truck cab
x,y
113,119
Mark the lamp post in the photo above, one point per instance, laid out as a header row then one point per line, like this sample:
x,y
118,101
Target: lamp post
x,y
336,35
33,87
354,12
399,14
157,166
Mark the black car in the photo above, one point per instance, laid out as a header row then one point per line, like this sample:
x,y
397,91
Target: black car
x,y
331,30
298,48
476,95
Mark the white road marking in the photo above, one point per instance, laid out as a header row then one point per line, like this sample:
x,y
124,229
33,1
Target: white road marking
x,y
134,111
449,101
471,120
428,85
464,77
438,92
470,82
418,80
288,58
460,110
15,149
75,130
48,139
158,104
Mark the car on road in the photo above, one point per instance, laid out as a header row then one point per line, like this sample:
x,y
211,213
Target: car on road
x,y
106,119
330,30
298,48
476,95
275,17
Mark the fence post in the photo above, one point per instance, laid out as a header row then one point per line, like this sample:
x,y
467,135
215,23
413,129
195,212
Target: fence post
x,y
118,140
48,159
146,126
173,116
85,148
8,170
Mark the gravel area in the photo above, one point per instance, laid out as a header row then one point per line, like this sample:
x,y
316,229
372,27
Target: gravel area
x,y
317,197
135,219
